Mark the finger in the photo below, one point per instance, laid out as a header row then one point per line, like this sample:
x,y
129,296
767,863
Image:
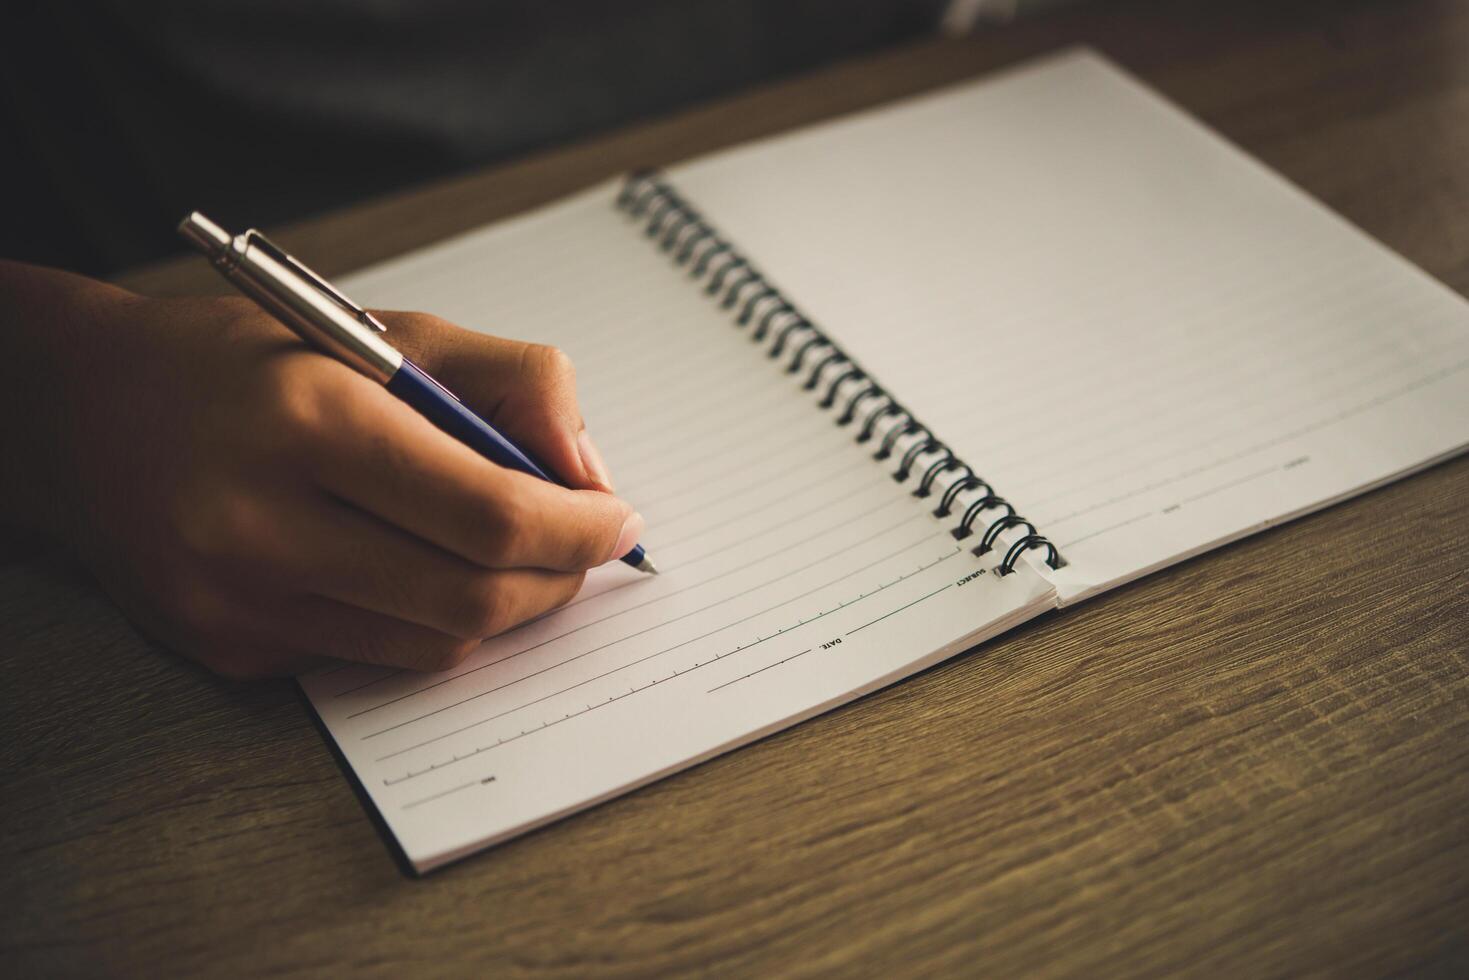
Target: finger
x,y
246,630
320,627
342,554
277,635
390,461
528,391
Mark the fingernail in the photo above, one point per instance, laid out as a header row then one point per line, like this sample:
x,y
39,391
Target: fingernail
x,y
592,460
632,529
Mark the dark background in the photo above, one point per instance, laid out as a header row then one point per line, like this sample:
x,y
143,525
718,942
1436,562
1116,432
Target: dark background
x,y
120,117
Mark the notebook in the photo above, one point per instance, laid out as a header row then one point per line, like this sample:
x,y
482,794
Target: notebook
x,y
884,388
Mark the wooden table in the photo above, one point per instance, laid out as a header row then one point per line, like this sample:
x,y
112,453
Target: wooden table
x,y
1257,762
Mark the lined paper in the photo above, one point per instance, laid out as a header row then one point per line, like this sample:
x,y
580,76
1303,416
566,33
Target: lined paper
x,y
796,573
1144,339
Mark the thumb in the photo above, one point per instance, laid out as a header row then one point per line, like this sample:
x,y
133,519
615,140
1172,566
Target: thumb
x,y
527,391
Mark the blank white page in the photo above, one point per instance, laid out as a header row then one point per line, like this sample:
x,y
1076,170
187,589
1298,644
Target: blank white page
x,y
796,574
1143,338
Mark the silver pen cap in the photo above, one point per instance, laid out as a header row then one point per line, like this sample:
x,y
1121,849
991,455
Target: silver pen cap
x,y
305,302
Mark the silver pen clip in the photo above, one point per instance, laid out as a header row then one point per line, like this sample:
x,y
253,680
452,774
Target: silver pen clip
x,y
258,239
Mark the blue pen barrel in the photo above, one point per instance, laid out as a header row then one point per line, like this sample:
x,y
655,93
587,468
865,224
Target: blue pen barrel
x,y
444,409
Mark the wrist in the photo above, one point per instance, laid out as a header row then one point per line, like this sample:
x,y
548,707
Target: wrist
x,y
61,342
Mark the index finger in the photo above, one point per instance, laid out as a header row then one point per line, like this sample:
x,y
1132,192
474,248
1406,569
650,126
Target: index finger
x,y
390,461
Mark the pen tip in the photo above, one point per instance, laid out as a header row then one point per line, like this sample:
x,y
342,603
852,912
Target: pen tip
x,y
646,565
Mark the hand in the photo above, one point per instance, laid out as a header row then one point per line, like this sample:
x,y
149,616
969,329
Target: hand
x,y
255,505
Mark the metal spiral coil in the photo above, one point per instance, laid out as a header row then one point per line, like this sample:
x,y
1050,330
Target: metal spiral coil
x,y
736,284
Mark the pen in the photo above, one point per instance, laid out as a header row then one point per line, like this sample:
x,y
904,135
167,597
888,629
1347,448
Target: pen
x,y
322,316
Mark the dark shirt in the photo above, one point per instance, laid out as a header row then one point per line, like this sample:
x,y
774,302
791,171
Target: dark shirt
x,y
122,115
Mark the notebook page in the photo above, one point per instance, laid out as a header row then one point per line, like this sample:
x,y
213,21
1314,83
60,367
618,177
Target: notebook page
x,y
1143,338
796,573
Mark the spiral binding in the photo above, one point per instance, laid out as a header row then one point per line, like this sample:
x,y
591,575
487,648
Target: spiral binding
x,y
732,281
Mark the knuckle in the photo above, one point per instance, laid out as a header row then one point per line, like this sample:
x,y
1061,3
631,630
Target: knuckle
x,y
228,525
379,575
363,643
293,396
396,460
427,654
212,524
570,588
548,366
450,654
495,619
476,610
506,524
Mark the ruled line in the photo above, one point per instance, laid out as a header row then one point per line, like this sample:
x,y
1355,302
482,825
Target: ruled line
x,y
900,609
650,656
737,649
530,731
1219,488
1108,529
391,672
766,529
760,671
1316,425
760,585
448,792
1278,361
663,520
760,440
658,438
662,548
738,465
665,546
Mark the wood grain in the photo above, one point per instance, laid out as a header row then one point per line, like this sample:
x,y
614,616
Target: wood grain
x,y
1256,763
